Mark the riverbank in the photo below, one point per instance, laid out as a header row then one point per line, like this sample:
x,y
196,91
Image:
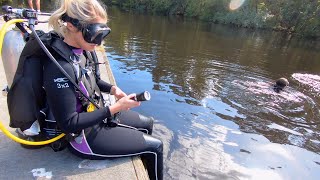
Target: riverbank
x,y
19,163
294,17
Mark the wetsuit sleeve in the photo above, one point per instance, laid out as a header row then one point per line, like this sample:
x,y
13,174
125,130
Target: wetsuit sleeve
x,y
104,86
62,100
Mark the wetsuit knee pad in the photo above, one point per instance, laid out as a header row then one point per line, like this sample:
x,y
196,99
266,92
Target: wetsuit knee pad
x,y
148,121
153,144
134,119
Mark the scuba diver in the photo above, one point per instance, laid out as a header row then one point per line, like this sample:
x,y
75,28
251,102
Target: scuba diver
x,y
280,84
78,27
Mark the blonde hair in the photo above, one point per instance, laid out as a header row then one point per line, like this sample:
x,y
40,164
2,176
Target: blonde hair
x,y
83,10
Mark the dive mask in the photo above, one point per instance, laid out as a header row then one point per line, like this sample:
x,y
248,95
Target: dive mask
x,y
92,33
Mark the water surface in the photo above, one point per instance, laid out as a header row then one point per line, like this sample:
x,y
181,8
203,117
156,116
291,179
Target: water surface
x,y
213,99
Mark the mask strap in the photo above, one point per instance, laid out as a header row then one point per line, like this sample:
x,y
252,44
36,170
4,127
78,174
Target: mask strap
x,y
73,21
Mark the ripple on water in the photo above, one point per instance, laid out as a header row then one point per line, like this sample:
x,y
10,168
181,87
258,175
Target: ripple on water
x,y
291,112
309,80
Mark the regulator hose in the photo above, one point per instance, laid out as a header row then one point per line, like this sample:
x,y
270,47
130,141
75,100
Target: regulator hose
x,y
4,28
2,128
32,143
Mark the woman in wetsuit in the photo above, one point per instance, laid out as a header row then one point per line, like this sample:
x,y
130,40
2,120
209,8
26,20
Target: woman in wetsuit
x,y
81,24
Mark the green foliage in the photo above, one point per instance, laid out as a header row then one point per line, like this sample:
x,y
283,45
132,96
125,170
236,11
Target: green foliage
x,y
296,16
160,6
140,5
5,1
242,19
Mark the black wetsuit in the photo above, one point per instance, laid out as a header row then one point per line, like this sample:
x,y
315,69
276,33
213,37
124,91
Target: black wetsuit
x,y
95,139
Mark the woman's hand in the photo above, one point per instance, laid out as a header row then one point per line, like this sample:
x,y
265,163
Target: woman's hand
x,y
124,104
117,92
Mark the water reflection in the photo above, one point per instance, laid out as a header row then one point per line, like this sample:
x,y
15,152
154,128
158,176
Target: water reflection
x,y
207,157
309,81
212,90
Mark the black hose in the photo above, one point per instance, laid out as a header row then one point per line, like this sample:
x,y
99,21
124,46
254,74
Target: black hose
x,y
96,63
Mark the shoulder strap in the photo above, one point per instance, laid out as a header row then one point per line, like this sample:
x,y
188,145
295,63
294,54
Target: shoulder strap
x,y
57,44
61,47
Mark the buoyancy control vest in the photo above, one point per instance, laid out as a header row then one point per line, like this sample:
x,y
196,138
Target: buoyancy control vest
x,y
26,96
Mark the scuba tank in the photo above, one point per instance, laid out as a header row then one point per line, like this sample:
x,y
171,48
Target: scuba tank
x,y
25,96
13,44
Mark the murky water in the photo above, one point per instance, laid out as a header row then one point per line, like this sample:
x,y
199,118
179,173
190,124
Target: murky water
x,y
213,99
212,96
